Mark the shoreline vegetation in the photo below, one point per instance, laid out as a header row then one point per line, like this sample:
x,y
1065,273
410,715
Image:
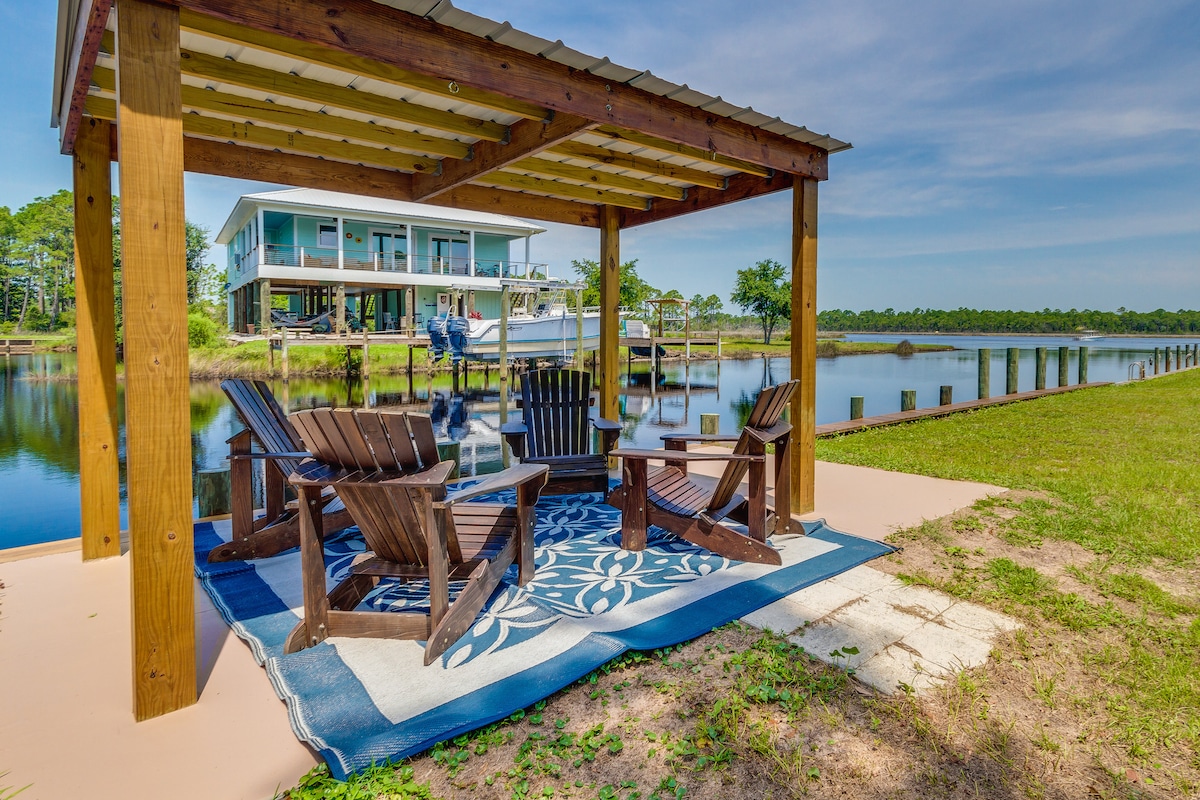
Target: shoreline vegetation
x,y
251,359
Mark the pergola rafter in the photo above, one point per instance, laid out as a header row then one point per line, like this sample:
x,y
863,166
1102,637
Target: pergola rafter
x,y
419,102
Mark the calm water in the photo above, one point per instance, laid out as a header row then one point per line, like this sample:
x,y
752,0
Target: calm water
x,y
39,461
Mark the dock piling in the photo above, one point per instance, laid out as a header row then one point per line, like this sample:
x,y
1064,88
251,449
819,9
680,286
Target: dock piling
x,y
1014,367
283,352
1039,376
908,399
946,396
710,424
1064,363
1083,364
856,407
985,373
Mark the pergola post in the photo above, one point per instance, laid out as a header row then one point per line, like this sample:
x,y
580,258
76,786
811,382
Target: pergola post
x,y
158,441
804,344
99,482
610,299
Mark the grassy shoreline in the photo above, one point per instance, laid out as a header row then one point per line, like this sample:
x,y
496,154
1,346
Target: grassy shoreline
x,y
251,359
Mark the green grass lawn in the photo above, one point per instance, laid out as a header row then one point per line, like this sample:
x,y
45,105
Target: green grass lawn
x,y
1123,460
1112,470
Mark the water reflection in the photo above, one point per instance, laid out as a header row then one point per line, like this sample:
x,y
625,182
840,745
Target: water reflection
x,y
39,451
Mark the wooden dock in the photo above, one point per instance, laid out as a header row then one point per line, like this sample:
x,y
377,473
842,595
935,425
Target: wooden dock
x,y
16,346
854,425
653,342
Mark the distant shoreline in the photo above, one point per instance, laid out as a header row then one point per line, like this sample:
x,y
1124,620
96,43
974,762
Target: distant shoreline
x,y
1070,336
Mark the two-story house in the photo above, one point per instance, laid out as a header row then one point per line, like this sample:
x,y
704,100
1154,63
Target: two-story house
x,y
379,264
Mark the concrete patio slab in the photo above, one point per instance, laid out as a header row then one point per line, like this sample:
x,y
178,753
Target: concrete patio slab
x,y
67,726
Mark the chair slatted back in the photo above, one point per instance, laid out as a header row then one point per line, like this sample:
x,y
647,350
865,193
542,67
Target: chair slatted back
x,y
373,446
766,412
267,422
556,412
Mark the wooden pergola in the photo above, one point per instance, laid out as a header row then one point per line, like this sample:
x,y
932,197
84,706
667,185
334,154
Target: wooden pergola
x,y
406,99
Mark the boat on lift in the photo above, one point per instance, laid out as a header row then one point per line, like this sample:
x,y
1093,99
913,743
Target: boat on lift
x,y
541,325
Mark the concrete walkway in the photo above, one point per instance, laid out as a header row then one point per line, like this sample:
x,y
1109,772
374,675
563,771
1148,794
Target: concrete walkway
x,y
908,638
66,725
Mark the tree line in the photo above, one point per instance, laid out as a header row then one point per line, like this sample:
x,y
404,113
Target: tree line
x,y
969,320
37,265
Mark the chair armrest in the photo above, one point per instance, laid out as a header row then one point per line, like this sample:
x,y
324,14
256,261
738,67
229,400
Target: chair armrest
x,y
701,437
514,435
683,455
508,479
266,456
609,433
437,475
771,434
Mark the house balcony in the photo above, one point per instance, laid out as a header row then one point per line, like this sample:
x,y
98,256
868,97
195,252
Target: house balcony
x,y
326,258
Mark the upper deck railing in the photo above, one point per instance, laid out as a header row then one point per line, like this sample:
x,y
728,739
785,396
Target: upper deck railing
x,y
365,260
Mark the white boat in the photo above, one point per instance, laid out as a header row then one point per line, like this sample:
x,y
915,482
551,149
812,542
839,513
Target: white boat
x,y
1087,336
546,330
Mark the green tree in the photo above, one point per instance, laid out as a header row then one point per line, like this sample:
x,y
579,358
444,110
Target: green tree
x,y
634,292
706,309
8,249
44,268
762,291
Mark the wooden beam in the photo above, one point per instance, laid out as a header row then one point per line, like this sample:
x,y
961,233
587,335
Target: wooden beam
x,y
96,344
237,161
520,204
390,36
157,412
210,157
291,118
567,190
262,136
676,149
525,137
802,449
599,178
663,169
222,70
304,51
610,301
699,198
85,44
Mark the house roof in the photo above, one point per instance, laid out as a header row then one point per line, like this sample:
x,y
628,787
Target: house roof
x,y
431,103
341,202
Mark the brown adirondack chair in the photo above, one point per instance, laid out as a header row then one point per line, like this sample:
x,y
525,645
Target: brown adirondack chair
x,y
556,431
385,468
667,497
282,450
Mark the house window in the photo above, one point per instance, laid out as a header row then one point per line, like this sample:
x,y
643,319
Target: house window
x,y
328,236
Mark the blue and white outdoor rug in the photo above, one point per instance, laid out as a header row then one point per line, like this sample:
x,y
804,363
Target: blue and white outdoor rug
x,y
363,700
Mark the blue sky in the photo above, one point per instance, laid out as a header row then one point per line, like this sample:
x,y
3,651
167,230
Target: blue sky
x,y
1007,154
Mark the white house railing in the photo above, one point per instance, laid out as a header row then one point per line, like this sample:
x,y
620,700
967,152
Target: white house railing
x,y
365,260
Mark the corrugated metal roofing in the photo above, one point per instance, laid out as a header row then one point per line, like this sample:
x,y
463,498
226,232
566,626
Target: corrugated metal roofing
x,y
444,12
338,201
259,91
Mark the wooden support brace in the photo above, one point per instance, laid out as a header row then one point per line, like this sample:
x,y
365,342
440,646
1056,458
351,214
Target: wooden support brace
x,y
158,420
